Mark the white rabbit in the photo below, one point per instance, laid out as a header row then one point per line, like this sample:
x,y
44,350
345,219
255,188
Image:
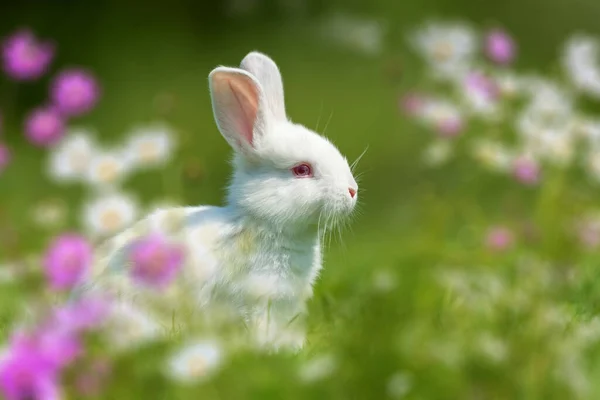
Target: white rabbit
x,y
261,252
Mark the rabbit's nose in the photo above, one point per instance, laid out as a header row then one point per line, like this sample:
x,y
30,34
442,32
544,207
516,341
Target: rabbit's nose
x,y
352,192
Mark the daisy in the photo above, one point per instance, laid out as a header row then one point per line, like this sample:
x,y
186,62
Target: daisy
x,y
108,168
195,361
447,47
69,159
547,130
109,213
151,145
580,60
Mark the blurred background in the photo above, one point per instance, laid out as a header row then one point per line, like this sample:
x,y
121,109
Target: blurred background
x,y
470,270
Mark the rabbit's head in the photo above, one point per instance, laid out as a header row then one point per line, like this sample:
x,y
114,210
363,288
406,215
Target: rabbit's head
x,y
284,174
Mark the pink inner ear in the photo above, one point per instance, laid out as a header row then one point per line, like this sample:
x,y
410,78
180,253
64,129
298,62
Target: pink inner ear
x,y
245,96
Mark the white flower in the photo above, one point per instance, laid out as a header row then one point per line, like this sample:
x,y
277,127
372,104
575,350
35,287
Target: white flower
x,y
151,145
109,213
547,95
49,213
548,127
437,153
447,47
131,326
196,361
317,368
69,159
364,36
580,60
108,168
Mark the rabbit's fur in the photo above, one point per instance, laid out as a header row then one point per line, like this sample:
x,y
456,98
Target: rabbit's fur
x,y
261,252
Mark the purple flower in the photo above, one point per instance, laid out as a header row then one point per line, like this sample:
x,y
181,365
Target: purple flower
x,y
44,127
67,260
526,171
155,262
499,238
24,57
500,47
4,156
74,92
26,372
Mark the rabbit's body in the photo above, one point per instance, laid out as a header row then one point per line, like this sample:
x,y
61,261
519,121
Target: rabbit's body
x,y
261,253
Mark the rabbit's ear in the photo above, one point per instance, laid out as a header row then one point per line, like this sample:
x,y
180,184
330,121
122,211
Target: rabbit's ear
x,y
237,101
266,72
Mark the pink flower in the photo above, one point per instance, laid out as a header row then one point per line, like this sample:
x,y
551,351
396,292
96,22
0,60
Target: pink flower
x,y
4,156
450,127
67,261
26,372
499,238
44,127
58,345
526,171
85,314
482,85
500,47
24,57
155,261
74,92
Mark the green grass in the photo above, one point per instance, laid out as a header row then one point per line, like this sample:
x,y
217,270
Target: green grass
x,y
416,224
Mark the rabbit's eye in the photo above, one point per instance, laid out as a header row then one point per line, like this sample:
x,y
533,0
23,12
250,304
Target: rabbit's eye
x,y
302,170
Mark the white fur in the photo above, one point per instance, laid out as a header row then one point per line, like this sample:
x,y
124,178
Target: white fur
x,y
261,252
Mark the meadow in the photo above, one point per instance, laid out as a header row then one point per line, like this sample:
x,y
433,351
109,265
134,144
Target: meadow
x,y
470,268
